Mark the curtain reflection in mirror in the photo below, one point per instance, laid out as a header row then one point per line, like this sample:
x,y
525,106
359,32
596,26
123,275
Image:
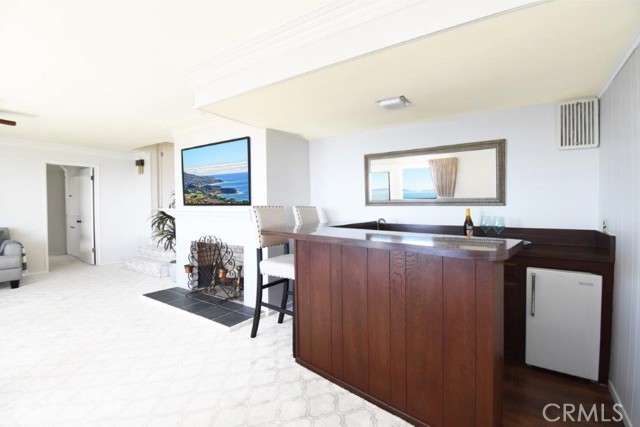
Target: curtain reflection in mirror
x,y
444,172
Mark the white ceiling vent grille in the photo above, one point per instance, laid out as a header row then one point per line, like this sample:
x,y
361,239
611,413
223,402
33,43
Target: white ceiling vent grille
x,y
578,124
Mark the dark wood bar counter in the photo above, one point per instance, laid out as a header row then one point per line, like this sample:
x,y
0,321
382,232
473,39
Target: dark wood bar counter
x,y
411,322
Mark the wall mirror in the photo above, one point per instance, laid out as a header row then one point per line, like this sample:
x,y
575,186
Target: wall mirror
x,y
470,174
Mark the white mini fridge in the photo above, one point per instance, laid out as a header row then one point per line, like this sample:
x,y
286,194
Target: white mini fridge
x,y
563,321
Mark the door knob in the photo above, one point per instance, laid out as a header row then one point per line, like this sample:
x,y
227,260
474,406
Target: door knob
x,y
78,221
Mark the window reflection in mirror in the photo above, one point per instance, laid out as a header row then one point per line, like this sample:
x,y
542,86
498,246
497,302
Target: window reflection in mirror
x,y
462,174
379,185
417,183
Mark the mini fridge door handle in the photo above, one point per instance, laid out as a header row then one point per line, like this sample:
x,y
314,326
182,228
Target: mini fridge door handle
x,y
533,295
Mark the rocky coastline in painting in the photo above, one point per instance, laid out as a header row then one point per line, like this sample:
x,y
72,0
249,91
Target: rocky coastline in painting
x,y
215,190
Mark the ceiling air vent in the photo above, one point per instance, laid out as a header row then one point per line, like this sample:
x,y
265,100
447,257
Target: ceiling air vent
x,y
578,124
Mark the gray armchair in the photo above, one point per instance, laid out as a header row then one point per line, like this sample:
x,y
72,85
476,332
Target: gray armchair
x,y
10,259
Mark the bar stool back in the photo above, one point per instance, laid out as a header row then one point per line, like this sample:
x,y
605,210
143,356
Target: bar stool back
x,y
281,266
306,215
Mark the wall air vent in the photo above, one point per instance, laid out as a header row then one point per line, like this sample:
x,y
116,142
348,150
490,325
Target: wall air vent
x,y
578,124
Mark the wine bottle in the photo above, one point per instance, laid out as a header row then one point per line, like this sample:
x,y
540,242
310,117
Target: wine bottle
x,y
468,224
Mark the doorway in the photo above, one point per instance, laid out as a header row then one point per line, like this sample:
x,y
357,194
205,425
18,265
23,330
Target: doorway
x,y
70,214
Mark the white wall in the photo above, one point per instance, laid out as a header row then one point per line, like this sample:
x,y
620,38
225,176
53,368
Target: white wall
x,y
161,168
56,210
122,197
620,206
166,174
287,170
545,187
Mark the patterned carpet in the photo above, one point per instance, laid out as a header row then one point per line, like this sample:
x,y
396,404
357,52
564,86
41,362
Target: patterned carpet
x,y
80,346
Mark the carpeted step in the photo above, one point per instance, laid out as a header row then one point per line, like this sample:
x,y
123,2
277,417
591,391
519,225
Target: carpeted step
x,y
155,252
150,266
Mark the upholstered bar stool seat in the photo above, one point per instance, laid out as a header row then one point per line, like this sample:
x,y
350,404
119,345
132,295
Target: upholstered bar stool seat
x,y
282,266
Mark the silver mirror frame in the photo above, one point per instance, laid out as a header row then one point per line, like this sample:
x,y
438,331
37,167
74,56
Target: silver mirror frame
x,y
500,200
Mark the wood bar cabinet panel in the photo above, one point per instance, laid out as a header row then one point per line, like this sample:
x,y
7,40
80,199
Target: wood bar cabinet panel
x,y
303,301
459,351
355,330
336,312
424,337
397,326
378,300
320,304
417,334
489,340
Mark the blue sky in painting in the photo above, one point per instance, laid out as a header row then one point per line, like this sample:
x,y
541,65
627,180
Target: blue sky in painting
x,y
216,154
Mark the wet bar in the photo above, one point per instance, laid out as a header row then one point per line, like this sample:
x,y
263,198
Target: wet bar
x,y
412,322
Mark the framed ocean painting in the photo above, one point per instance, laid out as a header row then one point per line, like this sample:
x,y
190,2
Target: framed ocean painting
x,y
217,174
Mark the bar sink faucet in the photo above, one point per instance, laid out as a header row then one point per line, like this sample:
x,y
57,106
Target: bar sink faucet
x,y
379,221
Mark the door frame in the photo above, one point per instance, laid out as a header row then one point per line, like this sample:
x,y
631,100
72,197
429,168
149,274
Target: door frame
x,y
96,208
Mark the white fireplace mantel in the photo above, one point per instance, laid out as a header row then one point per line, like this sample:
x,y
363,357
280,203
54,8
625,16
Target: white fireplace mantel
x,y
232,224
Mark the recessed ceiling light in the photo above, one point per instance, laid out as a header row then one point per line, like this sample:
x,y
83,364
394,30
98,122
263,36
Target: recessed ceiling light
x,y
394,103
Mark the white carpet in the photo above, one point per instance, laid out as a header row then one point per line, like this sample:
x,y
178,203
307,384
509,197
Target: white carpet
x,y
80,347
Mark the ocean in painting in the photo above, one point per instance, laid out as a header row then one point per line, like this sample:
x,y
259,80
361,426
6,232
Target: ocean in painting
x,y
238,180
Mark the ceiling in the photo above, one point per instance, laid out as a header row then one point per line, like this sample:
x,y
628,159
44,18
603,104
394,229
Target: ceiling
x,y
104,73
546,53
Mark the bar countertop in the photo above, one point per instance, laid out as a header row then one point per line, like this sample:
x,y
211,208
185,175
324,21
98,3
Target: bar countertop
x,y
480,248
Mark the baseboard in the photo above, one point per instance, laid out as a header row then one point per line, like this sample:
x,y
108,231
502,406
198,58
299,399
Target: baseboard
x,y
625,417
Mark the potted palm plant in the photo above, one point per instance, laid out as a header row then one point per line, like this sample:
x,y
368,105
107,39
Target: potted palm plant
x,y
163,231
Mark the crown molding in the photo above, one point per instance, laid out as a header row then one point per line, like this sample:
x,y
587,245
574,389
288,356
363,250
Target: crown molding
x,y
339,31
623,60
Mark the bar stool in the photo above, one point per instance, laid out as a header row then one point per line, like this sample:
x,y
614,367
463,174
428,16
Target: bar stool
x,y
306,215
281,266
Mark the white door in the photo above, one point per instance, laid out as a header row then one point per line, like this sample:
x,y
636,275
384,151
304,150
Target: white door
x,y
73,216
85,220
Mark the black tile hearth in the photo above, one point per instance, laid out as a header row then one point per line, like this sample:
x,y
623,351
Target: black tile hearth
x,y
214,312
231,305
182,302
232,319
207,298
197,307
245,310
181,291
224,312
164,296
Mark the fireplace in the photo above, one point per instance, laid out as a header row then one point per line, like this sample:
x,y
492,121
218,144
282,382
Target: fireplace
x,y
215,268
